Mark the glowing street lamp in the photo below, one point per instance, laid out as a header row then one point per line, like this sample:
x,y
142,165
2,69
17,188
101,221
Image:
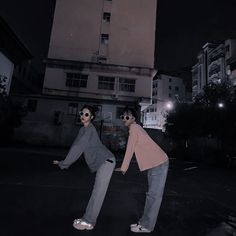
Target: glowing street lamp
x,y
220,105
169,106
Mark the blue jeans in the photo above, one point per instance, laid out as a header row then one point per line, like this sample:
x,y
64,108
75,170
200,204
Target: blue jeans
x,y
102,181
156,184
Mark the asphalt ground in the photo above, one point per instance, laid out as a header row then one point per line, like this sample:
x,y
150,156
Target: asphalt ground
x,y
39,199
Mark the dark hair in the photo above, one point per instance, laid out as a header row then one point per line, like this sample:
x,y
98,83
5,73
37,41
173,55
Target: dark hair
x,y
91,109
131,111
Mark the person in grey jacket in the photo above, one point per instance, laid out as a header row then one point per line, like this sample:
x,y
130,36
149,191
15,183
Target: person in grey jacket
x,y
99,160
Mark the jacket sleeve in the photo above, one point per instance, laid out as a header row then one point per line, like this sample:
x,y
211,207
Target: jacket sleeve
x,y
132,140
78,147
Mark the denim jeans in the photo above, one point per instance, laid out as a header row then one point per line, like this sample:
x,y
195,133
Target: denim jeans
x,y
102,180
156,184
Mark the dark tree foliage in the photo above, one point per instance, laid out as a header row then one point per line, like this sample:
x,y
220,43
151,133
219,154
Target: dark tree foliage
x,y
204,117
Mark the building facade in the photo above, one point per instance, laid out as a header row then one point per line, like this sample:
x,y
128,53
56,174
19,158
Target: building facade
x,y
213,65
230,57
101,53
167,90
102,50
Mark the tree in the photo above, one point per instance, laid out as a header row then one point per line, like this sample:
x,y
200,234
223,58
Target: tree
x,y
204,117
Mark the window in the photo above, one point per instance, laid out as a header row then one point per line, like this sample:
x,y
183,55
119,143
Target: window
x,y
72,109
104,38
76,80
32,105
169,87
106,82
106,17
170,79
176,88
169,95
119,112
127,85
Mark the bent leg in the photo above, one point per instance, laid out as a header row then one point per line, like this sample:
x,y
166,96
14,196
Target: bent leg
x,y
156,184
102,180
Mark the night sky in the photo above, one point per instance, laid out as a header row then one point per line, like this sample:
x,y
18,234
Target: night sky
x,y
183,27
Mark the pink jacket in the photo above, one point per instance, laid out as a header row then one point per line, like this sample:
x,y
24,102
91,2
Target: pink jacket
x,y
147,152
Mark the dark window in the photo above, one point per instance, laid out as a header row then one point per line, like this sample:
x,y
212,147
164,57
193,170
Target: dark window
x,y
169,87
107,16
32,105
76,80
72,108
170,79
176,88
127,85
119,112
104,38
106,82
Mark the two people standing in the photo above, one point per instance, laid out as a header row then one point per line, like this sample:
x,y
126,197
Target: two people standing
x,y
149,157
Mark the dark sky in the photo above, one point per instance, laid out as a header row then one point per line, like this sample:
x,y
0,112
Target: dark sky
x,y
183,27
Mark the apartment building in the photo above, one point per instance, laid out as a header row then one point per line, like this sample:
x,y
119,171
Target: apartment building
x,y
210,66
167,90
101,52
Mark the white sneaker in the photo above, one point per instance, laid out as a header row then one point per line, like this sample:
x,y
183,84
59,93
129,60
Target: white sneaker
x,y
82,225
76,221
134,225
139,229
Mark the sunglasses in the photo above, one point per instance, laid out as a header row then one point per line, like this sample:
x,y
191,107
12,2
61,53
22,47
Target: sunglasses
x,y
125,117
85,114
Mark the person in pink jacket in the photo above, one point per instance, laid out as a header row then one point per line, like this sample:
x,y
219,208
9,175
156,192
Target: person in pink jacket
x,y
149,157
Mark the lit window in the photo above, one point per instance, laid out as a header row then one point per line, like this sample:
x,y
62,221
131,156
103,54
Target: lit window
x,y
107,83
76,80
104,38
127,85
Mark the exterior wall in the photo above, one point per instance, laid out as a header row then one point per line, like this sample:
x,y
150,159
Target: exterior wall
x,y
131,31
230,56
53,122
55,84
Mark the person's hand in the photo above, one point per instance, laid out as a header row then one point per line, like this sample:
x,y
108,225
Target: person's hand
x,y
119,170
55,162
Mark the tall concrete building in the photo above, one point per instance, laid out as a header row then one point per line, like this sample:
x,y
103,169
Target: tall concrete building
x,y
102,51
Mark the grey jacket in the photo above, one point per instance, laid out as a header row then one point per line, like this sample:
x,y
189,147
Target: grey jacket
x,y
87,142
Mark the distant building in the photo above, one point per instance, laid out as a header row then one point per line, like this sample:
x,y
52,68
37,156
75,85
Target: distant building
x,y
216,63
210,66
166,91
230,57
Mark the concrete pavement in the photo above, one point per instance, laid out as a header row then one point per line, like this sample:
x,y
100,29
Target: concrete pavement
x,y
39,199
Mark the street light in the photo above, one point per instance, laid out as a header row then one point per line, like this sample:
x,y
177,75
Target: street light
x,y
169,105
220,105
